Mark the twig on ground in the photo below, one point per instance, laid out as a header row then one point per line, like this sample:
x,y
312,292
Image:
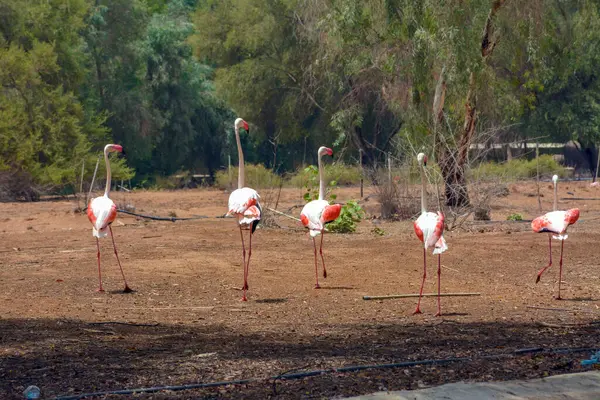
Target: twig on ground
x,y
402,296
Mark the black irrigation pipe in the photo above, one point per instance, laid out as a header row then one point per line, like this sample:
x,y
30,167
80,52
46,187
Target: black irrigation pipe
x,y
355,368
172,219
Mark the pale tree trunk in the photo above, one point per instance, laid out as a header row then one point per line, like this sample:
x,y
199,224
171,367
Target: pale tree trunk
x,y
453,161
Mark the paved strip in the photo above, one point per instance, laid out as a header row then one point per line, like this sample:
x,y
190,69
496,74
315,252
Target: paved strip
x,y
579,386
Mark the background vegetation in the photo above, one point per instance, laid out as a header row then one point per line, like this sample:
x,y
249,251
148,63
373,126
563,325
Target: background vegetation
x,y
166,79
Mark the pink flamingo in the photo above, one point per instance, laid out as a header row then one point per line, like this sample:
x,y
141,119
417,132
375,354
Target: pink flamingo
x,y
429,228
101,212
556,224
317,213
243,202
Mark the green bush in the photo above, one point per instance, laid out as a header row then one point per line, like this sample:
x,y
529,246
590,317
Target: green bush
x,y
350,215
341,173
514,217
518,169
257,176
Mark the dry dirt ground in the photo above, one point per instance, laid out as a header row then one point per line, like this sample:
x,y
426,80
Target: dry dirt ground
x,y
185,323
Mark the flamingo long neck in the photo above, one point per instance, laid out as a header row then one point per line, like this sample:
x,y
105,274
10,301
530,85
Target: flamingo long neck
x,y
321,180
423,191
108,176
555,196
241,174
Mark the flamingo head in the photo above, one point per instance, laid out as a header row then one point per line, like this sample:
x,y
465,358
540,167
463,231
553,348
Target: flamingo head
x,y
113,147
554,179
240,123
422,159
325,150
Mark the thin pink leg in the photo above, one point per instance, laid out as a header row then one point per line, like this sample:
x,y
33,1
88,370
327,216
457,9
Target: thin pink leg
x,y
248,263
100,289
418,309
245,286
439,313
323,259
316,268
562,243
539,275
127,289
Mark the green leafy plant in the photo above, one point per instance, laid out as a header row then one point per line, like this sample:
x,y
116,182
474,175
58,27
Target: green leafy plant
x,y
514,217
350,215
378,231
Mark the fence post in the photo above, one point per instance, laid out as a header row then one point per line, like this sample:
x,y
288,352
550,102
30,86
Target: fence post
x,y
361,172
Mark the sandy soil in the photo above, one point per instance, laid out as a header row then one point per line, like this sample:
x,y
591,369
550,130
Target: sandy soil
x,y
185,322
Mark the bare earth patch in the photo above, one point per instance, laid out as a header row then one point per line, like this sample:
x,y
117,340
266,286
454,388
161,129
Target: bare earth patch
x,y
185,323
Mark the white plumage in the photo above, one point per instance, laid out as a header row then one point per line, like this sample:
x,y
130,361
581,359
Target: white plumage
x,y
103,209
244,203
428,223
313,212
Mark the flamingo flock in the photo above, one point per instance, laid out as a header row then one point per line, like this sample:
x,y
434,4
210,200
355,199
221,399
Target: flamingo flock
x,y
245,207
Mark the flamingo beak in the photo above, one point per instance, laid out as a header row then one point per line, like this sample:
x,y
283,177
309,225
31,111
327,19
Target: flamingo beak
x,y
246,127
330,152
117,147
425,161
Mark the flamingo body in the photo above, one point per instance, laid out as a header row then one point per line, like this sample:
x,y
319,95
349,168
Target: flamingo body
x,y
429,228
317,213
556,222
101,212
244,203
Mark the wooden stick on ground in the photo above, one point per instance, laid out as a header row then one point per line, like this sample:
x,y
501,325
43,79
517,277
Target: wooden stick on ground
x,y
285,215
402,296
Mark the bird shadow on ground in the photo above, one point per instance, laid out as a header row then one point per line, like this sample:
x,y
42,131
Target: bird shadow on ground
x,y
272,301
73,356
579,299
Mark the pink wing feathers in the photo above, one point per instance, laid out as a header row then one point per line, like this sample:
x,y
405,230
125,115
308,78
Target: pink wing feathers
x,y
317,213
556,222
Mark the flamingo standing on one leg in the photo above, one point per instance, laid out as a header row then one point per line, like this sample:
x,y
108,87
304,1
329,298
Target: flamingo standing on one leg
x,y
243,202
429,228
101,212
556,224
317,213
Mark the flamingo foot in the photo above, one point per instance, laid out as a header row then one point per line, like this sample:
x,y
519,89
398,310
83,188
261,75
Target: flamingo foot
x,y
100,290
127,289
244,298
558,298
324,274
317,286
538,278
439,314
417,311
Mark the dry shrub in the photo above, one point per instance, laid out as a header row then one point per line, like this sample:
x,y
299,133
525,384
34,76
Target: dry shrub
x,y
18,186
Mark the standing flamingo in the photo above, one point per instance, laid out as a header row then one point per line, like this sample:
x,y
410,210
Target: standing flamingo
x,y
429,228
317,213
101,212
243,202
556,224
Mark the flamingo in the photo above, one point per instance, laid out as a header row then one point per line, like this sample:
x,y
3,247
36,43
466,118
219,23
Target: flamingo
x,y
317,213
429,228
556,224
101,212
243,202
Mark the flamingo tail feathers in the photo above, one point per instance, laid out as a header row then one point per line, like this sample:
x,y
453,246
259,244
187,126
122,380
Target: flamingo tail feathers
x,y
440,246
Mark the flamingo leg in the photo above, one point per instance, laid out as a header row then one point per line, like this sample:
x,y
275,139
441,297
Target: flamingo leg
x,y
245,287
439,313
562,243
323,259
100,289
418,309
539,275
316,268
248,262
127,289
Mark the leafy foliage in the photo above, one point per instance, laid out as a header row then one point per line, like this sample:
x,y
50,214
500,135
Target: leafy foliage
x,y
351,214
